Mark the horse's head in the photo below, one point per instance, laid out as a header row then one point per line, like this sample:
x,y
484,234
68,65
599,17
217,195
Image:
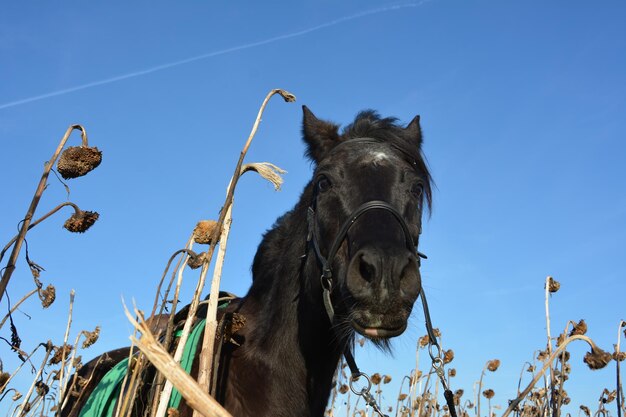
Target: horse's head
x,y
369,188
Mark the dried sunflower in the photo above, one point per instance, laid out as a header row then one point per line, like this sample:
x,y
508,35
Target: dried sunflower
x,y
76,161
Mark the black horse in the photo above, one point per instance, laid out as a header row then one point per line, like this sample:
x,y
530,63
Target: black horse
x,y
347,250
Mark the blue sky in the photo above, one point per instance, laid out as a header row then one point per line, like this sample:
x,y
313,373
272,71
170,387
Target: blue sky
x,y
523,108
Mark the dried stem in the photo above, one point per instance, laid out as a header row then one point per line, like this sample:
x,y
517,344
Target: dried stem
x,y
211,323
33,206
167,389
17,305
620,393
35,380
62,382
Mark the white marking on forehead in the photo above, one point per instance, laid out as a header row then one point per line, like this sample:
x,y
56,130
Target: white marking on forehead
x,y
379,156
376,158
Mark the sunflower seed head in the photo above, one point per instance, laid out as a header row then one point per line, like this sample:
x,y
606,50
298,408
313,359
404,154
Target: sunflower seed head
x,y
493,365
204,230
579,328
553,285
488,393
80,222
48,296
597,358
91,337
76,161
195,262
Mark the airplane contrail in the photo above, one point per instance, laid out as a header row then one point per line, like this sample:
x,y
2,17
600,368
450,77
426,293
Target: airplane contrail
x,y
212,54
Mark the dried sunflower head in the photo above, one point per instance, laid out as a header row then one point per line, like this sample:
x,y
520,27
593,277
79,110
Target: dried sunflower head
x,y
586,410
81,221
452,372
195,262
76,161
579,328
597,358
553,285
91,337
619,356
488,393
542,355
4,377
48,296
41,388
376,378
60,352
204,230
448,356
493,365
344,388
564,357
386,379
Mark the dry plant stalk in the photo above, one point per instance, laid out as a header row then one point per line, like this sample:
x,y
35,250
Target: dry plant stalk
x,y
621,407
198,399
62,382
205,368
10,267
272,173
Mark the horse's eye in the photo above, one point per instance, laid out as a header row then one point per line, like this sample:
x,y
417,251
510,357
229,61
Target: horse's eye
x,y
323,184
417,189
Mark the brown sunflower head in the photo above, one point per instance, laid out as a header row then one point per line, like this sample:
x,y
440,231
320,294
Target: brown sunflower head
x,y
553,285
195,262
493,365
60,352
448,356
4,377
76,161
579,328
80,221
47,296
488,393
91,337
597,358
204,231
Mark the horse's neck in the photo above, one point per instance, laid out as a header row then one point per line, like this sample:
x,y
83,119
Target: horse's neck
x,y
291,327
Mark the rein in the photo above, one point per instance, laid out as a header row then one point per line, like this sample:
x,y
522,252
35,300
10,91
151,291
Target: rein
x,y
326,278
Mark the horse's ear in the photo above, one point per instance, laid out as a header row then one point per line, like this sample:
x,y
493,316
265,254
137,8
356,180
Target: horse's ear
x,y
414,131
319,135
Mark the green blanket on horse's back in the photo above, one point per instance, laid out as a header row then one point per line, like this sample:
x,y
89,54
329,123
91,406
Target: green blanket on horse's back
x,y
102,401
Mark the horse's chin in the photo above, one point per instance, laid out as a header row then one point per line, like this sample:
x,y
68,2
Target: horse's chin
x,y
376,333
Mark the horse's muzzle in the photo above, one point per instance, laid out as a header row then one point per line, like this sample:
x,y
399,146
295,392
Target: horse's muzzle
x,y
384,284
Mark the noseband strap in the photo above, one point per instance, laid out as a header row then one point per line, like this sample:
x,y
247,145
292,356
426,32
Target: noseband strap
x,y
326,262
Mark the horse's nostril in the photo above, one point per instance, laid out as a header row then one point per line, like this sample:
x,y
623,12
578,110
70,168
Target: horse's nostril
x,y
366,269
